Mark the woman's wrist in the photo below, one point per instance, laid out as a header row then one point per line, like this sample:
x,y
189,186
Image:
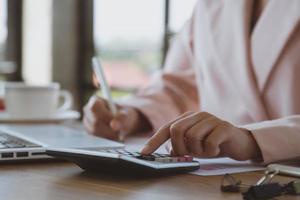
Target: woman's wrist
x,y
255,152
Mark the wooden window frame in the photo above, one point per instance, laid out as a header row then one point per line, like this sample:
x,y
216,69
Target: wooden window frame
x,y
13,45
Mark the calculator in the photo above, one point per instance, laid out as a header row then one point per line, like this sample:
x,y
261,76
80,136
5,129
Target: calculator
x,y
120,161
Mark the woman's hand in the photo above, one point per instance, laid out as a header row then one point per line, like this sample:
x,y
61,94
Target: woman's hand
x,y
203,135
99,120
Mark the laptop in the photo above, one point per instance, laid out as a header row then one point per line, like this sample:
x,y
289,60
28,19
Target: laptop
x,y
29,142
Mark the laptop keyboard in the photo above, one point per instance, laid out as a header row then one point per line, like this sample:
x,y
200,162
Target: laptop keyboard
x,y
158,157
9,141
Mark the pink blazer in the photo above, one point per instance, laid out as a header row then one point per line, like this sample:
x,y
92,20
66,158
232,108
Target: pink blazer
x,y
249,79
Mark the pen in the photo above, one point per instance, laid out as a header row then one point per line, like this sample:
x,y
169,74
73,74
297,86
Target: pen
x,y
98,70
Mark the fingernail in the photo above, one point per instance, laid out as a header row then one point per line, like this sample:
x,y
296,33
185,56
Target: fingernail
x,y
146,150
115,125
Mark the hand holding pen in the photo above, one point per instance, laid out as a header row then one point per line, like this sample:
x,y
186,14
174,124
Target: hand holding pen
x,y
104,118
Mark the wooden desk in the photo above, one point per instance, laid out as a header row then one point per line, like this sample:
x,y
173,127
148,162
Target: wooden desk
x,y
62,180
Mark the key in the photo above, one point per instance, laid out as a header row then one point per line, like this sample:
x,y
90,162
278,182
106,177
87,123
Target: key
x,y
181,159
158,155
15,145
230,184
120,151
162,155
135,154
146,157
174,159
265,191
269,175
162,160
112,151
126,154
165,160
293,188
32,145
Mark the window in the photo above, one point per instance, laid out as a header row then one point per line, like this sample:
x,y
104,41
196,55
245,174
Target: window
x,y
180,11
3,35
6,67
129,37
3,28
37,40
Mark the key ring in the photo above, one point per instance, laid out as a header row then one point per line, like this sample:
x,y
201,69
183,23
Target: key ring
x,y
267,178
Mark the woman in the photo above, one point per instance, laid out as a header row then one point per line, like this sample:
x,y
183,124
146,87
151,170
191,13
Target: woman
x,y
236,66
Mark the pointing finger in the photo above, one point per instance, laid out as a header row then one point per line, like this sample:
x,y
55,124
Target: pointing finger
x,y
162,135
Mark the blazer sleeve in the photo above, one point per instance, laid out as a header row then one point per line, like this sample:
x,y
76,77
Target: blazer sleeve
x,y
173,90
278,139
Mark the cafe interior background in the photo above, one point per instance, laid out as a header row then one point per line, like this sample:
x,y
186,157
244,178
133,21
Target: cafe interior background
x,y
54,40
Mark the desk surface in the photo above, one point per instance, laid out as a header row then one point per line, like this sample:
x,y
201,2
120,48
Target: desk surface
x,y
62,180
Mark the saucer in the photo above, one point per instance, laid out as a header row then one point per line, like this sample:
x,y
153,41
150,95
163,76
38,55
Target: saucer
x,y
56,117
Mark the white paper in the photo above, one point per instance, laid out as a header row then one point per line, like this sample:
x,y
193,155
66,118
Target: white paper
x,y
208,167
221,166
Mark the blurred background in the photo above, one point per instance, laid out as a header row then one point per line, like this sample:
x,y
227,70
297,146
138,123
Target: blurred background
x,y
54,40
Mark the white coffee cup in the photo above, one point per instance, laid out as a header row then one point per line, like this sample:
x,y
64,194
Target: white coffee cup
x,y
23,100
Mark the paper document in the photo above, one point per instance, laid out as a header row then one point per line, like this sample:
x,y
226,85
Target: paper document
x,y
221,166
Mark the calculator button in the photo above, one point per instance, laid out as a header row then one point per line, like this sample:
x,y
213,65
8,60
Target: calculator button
x,y
180,159
165,160
162,160
177,159
189,158
164,155
111,151
146,157
32,145
174,159
157,155
126,152
120,151
14,145
135,154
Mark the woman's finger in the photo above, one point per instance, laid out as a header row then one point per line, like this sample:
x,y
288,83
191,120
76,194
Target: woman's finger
x,y
195,147
99,129
98,107
103,130
123,120
213,141
162,135
196,135
179,128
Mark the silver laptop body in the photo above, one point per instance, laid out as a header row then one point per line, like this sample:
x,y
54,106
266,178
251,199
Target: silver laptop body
x,y
27,142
